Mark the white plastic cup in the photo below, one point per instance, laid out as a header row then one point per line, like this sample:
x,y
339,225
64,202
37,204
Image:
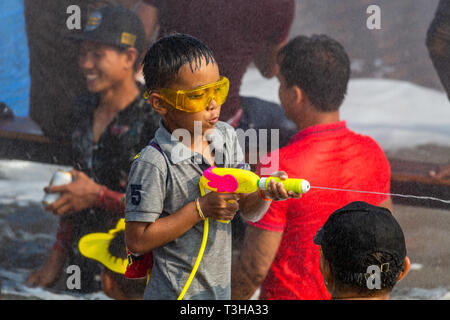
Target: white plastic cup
x,y
60,177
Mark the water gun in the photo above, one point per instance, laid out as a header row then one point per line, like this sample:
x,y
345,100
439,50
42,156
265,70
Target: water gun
x,y
231,180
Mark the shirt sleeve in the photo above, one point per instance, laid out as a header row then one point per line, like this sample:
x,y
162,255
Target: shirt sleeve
x,y
145,192
374,165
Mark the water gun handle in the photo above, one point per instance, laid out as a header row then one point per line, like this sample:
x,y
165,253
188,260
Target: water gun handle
x,y
203,192
296,185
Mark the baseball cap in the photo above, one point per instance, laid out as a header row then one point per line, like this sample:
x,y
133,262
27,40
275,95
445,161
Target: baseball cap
x,y
114,25
357,230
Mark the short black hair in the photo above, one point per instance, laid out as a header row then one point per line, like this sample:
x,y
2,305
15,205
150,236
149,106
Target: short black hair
x,y
357,281
167,55
117,247
319,66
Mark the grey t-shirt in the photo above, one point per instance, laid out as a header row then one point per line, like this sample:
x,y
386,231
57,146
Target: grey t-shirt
x,y
162,181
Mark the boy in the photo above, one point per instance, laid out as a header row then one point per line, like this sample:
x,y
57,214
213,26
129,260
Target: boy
x,y
109,250
163,203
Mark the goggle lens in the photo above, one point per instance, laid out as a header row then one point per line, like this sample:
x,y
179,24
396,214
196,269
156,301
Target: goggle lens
x,y
197,99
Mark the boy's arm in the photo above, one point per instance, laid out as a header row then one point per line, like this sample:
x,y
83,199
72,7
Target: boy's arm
x,y
141,237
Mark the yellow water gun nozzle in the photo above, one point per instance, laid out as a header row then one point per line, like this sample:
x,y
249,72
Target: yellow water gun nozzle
x,y
295,185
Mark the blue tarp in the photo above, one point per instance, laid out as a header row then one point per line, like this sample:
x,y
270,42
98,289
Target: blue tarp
x,y
14,57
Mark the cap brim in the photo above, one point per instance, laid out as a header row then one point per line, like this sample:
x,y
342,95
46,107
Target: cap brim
x,y
79,36
90,36
95,246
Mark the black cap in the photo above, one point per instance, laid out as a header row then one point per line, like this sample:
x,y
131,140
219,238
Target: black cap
x,y
114,25
357,230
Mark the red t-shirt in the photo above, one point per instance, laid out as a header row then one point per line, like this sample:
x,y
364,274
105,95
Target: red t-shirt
x,y
328,155
235,30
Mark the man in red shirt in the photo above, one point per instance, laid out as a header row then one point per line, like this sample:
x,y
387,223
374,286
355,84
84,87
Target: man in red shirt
x,y
278,252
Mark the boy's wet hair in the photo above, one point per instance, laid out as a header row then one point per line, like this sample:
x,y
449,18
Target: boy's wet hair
x,y
319,66
117,247
167,55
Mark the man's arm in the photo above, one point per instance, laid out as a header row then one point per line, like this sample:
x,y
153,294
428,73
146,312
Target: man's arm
x,y
84,193
267,59
438,43
279,16
254,205
149,17
250,269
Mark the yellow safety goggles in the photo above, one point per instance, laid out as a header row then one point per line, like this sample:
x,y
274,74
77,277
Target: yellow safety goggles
x,y
197,99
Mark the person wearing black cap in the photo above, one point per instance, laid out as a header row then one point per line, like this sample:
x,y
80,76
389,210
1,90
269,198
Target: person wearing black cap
x,y
363,252
54,73
112,122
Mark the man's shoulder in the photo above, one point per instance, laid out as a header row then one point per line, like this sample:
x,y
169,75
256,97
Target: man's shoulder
x,y
364,141
306,148
366,150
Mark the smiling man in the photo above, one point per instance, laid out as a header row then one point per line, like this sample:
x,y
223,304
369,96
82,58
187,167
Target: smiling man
x,y
111,123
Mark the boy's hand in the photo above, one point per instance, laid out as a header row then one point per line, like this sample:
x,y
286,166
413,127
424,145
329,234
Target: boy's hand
x,y
219,206
276,191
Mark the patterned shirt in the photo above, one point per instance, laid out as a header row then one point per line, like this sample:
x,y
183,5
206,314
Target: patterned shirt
x,y
107,162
